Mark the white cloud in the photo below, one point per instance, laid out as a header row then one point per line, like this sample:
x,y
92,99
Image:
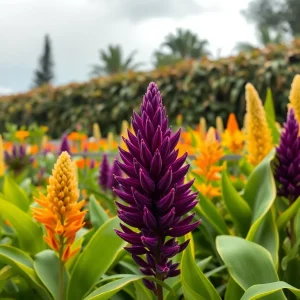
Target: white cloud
x,y
78,29
5,91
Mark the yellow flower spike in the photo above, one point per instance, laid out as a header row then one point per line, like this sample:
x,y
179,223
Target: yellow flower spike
x,y
259,139
60,211
210,154
110,141
96,131
219,125
124,128
295,96
202,125
2,164
232,124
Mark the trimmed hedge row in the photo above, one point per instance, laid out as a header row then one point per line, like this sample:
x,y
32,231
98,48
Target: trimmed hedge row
x,y
191,88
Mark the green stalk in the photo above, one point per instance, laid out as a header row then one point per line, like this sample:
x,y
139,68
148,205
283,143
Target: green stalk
x,y
61,270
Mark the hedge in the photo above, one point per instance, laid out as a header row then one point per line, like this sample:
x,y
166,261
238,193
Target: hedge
x,y
191,88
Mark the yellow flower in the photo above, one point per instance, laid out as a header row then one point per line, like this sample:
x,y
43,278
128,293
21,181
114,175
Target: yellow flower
x,y
295,96
60,212
22,134
233,138
202,126
219,125
259,139
96,131
110,141
124,128
206,164
2,165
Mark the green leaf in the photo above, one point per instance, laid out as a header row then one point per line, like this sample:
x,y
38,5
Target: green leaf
x,y
233,290
14,194
141,292
289,213
238,208
95,260
271,117
248,263
269,105
29,233
297,226
46,265
97,213
204,262
208,209
108,290
194,283
261,290
23,265
260,193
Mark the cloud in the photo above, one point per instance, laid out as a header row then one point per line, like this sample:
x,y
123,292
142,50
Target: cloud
x,y
139,10
5,91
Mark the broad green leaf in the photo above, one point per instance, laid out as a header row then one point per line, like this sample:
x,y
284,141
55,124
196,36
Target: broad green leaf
x,y
248,263
208,209
267,235
297,226
238,208
23,265
14,194
46,265
98,215
29,233
261,290
141,292
260,193
269,105
95,260
204,262
108,290
176,287
290,212
194,283
233,290
271,117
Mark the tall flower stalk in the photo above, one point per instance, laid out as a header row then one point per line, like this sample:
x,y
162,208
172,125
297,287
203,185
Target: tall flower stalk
x,y
295,96
287,163
156,199
259,138
60,212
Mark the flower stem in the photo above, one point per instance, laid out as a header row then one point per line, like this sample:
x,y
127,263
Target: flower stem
x,y
159,289
61,270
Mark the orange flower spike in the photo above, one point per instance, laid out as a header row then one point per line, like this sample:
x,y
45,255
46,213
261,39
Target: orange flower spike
x,y
22,134
210,153
60,211
232,124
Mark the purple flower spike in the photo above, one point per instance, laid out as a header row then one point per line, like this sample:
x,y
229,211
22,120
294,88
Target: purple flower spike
x,y
287,162
115,172
155,195
64,145
104,173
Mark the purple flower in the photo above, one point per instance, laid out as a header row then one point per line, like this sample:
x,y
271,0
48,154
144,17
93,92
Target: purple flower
x,y
115,171
92,164
64,145
18,159
287,162
155,195
104,173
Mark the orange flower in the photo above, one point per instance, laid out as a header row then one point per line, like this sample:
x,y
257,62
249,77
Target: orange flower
x,y
60,211
34,149
22,134
210,154
233,138
77,136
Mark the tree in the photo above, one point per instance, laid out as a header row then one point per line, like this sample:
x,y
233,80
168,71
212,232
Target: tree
x,y
279,15
265,37
179,46
113,62
44,73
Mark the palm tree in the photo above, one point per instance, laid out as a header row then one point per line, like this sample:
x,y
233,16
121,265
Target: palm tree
x,y
182,45
265,37
114,62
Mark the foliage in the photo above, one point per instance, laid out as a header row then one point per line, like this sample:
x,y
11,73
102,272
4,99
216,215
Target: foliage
x,y
192,88
113,62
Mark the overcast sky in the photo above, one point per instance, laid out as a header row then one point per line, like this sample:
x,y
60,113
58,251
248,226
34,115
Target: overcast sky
x,y
79,28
